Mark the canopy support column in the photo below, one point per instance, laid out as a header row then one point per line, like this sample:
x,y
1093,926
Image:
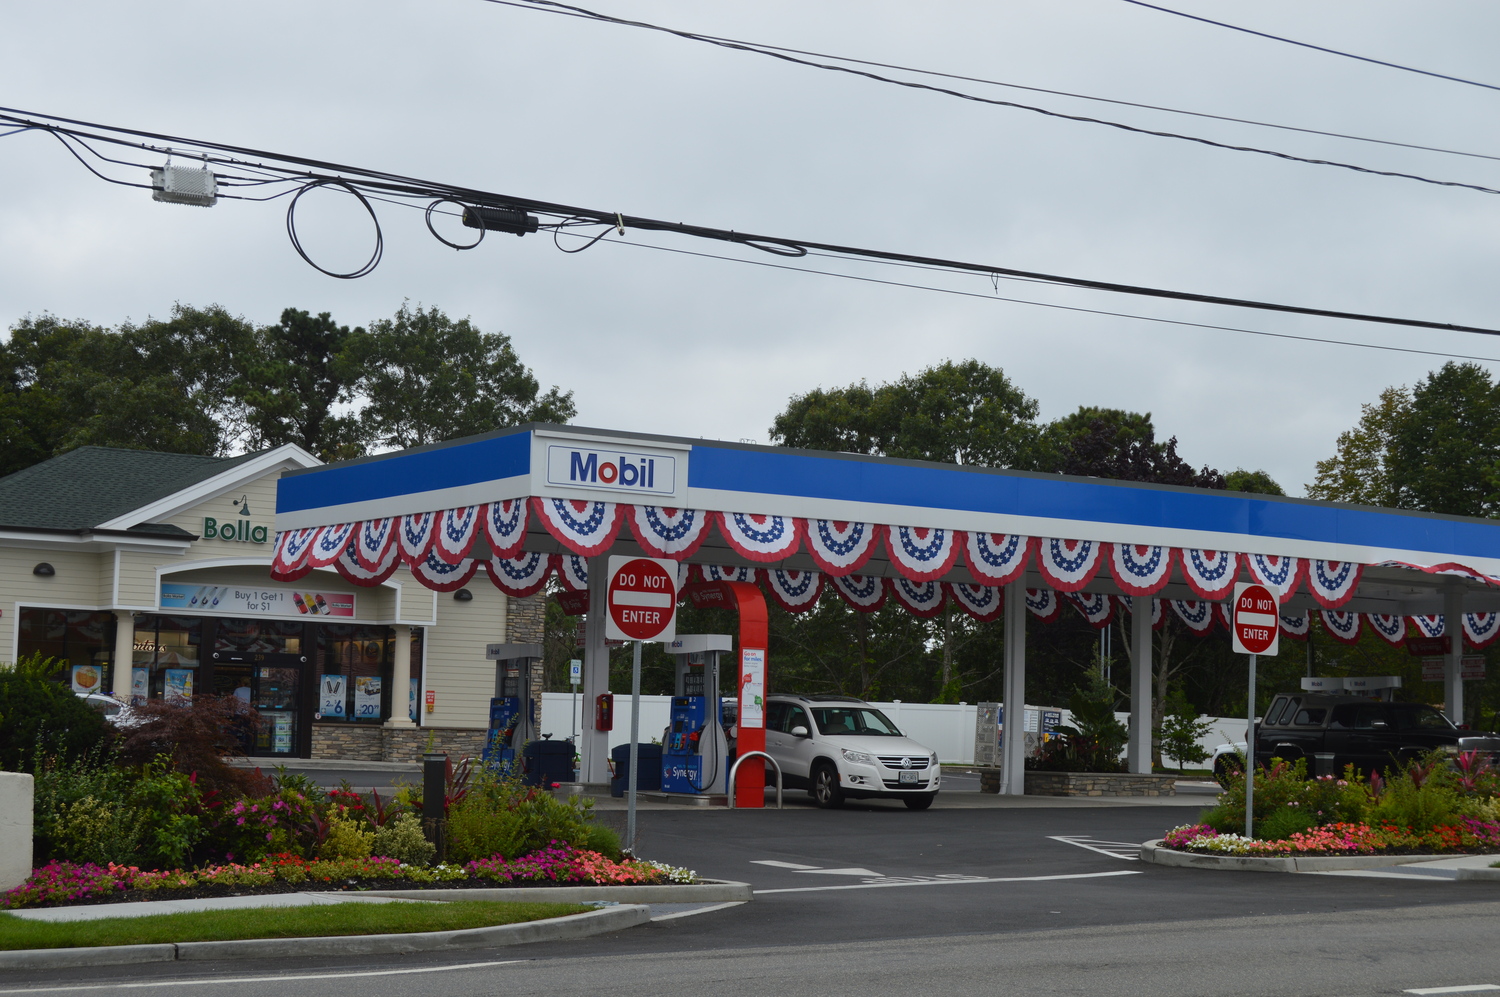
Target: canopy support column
x,y
1138,752
1453,661
400,677
1013,737
124,659
593,745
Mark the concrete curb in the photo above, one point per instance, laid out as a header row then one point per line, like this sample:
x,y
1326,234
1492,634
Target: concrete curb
x,y
1490,874
1152,852
709,891
556,929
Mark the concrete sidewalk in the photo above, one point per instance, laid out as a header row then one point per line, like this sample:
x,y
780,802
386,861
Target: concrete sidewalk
x,y
143,908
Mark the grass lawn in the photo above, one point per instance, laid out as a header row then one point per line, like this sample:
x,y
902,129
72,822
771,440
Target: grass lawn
x,y
274,922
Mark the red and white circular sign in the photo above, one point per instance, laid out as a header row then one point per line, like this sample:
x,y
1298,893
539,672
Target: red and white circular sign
x,y
1255,622
642,600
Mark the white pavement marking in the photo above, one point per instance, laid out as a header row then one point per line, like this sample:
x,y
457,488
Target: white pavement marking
x,y
698,910
1128,850
853,871
1470,989
949,881
783,865
259,979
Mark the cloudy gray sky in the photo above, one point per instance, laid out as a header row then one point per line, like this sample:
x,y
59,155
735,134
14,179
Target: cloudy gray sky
x,y
543,106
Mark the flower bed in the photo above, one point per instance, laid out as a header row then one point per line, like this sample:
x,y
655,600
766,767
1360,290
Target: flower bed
x,y
1467,835
59,883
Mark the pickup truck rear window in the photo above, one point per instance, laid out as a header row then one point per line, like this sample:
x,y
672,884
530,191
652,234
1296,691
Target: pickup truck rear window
x,y
1284,714
1311,717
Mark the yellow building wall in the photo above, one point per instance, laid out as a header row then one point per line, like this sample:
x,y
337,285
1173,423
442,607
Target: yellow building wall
x,y
75,584
456,667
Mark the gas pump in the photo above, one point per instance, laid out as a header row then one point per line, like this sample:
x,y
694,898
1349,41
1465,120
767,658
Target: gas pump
x,y
513,713
694,753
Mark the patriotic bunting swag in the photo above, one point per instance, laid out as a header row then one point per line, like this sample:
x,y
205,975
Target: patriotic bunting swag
x,y
1430,625
1069,565
456,531
983,602
997,558
672,533
793,591
505,526
761,538
289,562
865,593
1296,627
329,543
1342,627
573,570
350,567
1222,614
1097,609
1481,629
839,548
372,540
1043,604
1196,613
522,575
923,599
1141,570
441,576
1281,575
920,554
585,528
717,573
1392,628
1332,583
415,536
1211,574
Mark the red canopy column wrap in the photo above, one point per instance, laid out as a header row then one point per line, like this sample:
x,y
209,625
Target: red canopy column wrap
x,y
746,597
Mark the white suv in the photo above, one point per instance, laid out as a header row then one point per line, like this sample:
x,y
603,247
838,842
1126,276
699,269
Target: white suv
x,y
843,748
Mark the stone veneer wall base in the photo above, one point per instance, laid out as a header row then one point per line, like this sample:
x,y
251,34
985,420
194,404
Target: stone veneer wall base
x,y
1085,783
368,743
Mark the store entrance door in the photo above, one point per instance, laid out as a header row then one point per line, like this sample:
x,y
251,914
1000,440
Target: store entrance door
x,y
272,685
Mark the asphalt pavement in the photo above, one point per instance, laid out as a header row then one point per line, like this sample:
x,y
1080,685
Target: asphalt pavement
x,y
954,900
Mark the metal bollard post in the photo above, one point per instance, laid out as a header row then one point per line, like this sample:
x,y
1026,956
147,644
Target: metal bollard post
x,y
434,791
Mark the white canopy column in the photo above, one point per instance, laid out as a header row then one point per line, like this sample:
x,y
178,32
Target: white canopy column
x,y
400,677
124,659
593,745
1138,751
1013,737
1453,661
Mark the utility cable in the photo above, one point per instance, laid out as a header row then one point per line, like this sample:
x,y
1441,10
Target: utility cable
x,y
1317,48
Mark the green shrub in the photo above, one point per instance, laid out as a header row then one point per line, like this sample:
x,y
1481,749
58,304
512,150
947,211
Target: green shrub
x,y
1284,823
347,836
40,717
502,817
401,838
603,840
1094,742
1419,806
150,817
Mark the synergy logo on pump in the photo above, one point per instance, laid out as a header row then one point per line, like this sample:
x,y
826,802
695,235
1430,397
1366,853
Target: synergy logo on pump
x,y
615,470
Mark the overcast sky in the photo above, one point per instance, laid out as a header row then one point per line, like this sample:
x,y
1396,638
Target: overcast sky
x,y
615,118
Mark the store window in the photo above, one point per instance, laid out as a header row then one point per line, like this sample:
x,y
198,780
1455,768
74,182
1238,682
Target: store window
x,y
259,636
81,641
165,658
354,667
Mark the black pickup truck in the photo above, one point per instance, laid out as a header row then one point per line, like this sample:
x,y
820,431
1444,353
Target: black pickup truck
x,y
1334,731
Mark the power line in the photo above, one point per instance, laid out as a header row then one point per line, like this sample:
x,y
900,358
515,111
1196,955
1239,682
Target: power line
x,y
308,173
1316,48
784,56
1324,133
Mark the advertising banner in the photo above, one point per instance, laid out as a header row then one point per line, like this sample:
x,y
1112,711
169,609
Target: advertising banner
x,y
332,694
752,687
86,678
255,600
140,684
179,687
367,697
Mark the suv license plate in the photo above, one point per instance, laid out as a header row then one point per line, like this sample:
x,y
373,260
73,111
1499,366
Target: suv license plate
x,y
908,777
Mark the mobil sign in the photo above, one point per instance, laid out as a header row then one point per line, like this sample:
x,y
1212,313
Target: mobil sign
x,y
633,472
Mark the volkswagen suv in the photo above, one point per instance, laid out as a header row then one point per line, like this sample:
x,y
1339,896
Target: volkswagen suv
x,y
839,748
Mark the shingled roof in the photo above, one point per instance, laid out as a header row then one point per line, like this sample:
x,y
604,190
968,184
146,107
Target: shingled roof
x,y
82,488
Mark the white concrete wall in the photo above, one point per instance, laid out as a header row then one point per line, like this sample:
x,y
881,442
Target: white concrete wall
x,y
16,800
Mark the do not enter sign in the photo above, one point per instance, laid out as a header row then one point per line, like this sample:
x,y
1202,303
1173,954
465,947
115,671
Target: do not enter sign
x,y
1255,623
642,599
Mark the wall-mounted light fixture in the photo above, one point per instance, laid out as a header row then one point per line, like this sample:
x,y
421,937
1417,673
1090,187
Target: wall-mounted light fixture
x,y
463,595
44,570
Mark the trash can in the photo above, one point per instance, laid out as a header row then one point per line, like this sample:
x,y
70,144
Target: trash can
x,y
650,762
548,762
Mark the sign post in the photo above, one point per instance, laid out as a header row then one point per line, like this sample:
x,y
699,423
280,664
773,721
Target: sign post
x,y
1255,630
641,599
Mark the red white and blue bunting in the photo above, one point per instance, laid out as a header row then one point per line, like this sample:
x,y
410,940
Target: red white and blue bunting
x,y
983,602
1222,614
1280,574
1141,570
415,535
839,548
505,526
671,533
922,554
1481,629
1043,604
573,571
719,573
793,591
924,599
289,560
1332,583
1428,625
1196,613
1158,610
1211,574
761,538
1342,627
585,528
1069,565
997,558
329,543
351,568
441,576
456,531
865,593
1096,608
522,575
1391,628
1446,568
373,540
1296,627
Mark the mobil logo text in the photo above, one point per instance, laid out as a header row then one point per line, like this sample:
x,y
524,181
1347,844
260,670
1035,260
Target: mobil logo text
x,y
613,470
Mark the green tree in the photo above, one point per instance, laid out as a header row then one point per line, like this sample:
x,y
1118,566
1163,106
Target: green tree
x,y
1241,480
428,378
293,378
1359,471
1444,450
1110,443
1179,731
